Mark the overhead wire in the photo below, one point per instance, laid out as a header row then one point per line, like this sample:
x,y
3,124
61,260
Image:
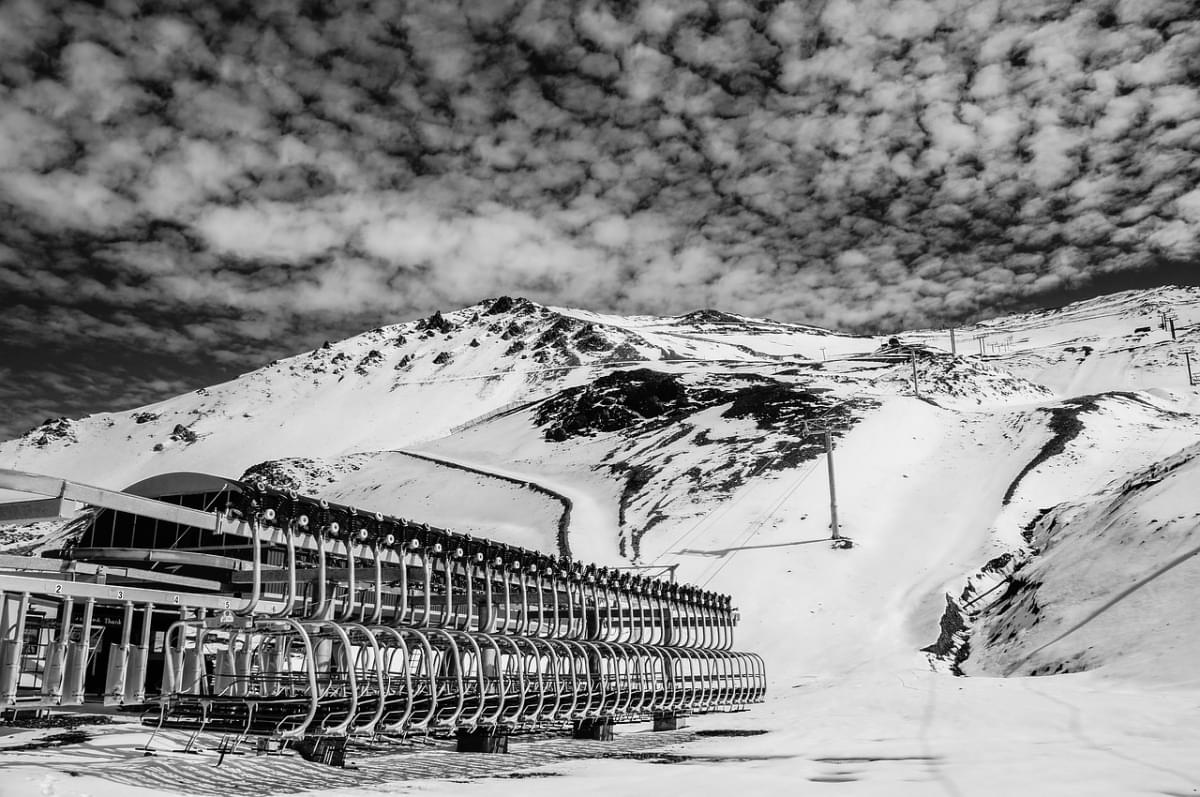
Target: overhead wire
x,y
690,531
754,529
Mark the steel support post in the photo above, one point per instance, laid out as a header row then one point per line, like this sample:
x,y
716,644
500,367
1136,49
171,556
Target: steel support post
x,y
833,518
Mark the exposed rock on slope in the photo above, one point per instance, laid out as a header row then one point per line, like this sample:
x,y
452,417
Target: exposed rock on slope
x,y
960,382
1113,583
617,401
681,442
52,430
304,474
1065,425
625,398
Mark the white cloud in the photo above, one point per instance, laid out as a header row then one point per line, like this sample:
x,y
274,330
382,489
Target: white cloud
x,y
599,26
269,230
99,80
990,82
909,19
30,141
660,17
1053,160
70,200
1160,66
1177,239
645,72
1188,206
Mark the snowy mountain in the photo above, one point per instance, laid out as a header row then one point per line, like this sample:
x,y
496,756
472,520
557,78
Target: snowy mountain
x,y
1028,508
395,386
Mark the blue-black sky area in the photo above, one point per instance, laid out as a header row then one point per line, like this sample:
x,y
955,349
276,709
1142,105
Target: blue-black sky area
x,y
1155,274
189,190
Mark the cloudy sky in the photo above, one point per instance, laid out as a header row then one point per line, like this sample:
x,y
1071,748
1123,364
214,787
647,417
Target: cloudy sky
x,y
188,190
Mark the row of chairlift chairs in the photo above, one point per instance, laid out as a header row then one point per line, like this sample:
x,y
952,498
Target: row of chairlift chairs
x,y
441,633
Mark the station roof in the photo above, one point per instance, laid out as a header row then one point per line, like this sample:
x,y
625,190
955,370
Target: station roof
x,y
180,483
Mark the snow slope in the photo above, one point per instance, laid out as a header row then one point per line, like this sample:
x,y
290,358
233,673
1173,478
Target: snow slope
x,y
1133,613
1038,477
1108,343
402,485
381,390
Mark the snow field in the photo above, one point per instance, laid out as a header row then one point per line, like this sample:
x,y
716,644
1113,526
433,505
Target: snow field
x,y
854,707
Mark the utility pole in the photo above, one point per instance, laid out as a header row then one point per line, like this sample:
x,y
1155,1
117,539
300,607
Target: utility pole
x,y
916,384
953,346
827,435
1167,321
833,519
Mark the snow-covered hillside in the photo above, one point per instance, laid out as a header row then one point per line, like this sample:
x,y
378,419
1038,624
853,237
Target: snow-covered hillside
x,y
405,485
1030,511
1113,583
1113,342
392,387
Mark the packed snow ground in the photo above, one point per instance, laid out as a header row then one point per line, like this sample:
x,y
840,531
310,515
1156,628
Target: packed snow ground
x,y
929,493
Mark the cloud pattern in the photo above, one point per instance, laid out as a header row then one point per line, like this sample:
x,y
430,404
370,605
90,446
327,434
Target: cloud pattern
x,y
214,184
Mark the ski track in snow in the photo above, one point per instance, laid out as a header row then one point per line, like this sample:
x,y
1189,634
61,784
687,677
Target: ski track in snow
x,y
591,536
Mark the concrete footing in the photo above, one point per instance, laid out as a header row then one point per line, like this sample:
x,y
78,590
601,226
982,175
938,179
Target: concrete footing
x,y
600,729
483,740
669,721
328,750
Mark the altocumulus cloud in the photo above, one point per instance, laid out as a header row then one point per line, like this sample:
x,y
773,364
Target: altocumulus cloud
x,y
212,184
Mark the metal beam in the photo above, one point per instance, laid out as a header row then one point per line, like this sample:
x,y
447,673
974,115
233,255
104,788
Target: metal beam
x,y
365,575
95,571
115,593
134,575
11,562
122,575
163,555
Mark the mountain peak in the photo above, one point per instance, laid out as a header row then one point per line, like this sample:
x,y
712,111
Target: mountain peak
x,y
710,316
507,304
